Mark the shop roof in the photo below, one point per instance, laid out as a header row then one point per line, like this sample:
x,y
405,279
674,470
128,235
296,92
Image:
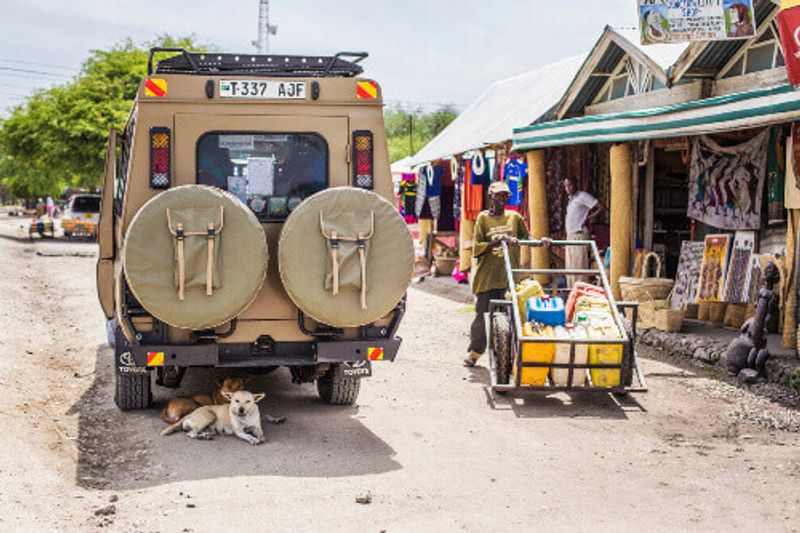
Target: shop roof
x,y
506,104
748,109
611,48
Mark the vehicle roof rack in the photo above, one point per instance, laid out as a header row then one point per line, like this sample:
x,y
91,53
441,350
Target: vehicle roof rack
x,y
206,63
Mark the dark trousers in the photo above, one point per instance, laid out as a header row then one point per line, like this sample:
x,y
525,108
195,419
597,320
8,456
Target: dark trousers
x,y
477,333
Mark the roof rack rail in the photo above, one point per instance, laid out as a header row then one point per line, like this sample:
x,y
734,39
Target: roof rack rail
x,y
210,63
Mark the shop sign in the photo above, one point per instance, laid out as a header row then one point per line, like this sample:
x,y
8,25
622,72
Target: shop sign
x,y
674,21
789,29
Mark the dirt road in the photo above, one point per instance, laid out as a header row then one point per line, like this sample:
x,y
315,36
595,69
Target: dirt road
x,y
427,440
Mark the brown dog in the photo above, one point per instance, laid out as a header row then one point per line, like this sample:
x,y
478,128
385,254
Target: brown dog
x,y
180,406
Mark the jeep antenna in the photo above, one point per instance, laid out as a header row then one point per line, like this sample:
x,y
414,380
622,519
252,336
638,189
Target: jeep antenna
x,y
265,29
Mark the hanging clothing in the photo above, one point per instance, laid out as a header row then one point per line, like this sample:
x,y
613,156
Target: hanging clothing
x,y
458,189
408,198
422,189
446,220
515,170
473,193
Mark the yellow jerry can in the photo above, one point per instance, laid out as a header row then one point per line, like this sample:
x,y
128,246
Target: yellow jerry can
x,y
537,353
604,354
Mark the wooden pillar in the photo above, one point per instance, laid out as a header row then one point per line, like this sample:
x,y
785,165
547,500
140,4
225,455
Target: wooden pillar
x,y
790,289
621,209
537,207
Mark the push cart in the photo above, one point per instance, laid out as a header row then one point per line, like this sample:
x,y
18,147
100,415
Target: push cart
x,y
507,339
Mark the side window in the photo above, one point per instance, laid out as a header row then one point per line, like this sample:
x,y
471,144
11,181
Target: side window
x,y
125,143
270,172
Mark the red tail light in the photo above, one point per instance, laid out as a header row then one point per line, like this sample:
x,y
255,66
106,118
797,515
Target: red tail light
x,y
363,175
159,158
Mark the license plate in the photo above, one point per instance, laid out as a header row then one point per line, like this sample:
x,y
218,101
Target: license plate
x,y
361,369
273,90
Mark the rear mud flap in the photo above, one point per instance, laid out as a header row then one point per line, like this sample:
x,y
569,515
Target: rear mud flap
x,y
372,350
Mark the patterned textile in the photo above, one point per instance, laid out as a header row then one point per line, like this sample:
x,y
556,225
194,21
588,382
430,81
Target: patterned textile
x,y
556,197
726,183
738,280
776,174
688,276
473,194
458,190
715,265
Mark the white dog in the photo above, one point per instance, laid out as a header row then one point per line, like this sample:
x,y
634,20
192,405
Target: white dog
x,y
241,417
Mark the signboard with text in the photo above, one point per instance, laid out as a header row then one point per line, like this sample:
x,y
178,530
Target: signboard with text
x,y
675,21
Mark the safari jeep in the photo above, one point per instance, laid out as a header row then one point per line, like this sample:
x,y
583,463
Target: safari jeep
x,y
247,223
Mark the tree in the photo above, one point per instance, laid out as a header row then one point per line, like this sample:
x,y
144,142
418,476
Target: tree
x,y
57,138
410,130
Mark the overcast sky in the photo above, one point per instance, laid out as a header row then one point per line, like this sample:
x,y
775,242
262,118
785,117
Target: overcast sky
x,y
426,51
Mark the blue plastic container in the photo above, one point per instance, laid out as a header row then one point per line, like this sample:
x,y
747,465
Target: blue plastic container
x,y
547,311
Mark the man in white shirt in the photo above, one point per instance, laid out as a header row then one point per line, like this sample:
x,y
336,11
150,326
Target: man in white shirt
x,y
581,208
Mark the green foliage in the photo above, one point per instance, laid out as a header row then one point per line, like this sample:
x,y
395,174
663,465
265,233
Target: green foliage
x,y
57,138
794,379
408,131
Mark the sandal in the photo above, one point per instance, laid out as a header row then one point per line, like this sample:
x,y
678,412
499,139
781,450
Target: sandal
x,y
471,359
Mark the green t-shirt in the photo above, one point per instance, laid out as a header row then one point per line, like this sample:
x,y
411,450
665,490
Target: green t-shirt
x,y
490,270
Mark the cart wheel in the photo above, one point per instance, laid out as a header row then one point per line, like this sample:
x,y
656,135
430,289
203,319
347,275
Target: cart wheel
x,y
501,346
627,360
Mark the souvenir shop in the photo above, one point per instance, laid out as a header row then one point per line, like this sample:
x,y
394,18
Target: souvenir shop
x,y
445,197
697,209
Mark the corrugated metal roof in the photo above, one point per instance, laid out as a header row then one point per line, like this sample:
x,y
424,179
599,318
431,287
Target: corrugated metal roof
x,y
505,105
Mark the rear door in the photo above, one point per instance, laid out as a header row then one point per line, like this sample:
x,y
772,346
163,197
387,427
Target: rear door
x,y
235,134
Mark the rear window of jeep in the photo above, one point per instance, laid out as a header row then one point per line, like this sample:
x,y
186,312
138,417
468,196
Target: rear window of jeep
x,y
270,172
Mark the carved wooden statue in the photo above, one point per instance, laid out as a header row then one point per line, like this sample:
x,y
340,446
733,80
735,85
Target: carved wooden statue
x,y
749,349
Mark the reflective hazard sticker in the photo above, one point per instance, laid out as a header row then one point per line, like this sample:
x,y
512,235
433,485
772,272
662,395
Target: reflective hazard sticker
x,y
367,90
155,358
155,87
375,354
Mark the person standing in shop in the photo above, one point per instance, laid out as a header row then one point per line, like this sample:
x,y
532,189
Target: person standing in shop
x,y
489,282
582,208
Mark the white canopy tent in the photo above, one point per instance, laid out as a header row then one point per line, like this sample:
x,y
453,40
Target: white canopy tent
x,y
505,105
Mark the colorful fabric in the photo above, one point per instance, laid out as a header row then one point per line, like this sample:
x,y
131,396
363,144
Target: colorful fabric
x,y
715,264
727,182
408,197
458,190
739,267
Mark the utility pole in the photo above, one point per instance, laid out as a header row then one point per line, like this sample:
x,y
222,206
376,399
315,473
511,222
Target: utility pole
x,y
265,29
411,133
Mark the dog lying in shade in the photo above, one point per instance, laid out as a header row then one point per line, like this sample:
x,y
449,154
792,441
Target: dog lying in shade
x,y
180,406
240,417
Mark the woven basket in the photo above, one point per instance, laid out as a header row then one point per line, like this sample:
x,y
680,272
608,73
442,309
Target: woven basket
x,y
734,315
669,320
716,312
657,288
702,311
444,264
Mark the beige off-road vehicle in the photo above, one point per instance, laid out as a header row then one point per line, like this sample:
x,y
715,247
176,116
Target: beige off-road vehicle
x,y
248,223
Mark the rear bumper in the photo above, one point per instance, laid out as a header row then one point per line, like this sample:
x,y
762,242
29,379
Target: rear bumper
x,y
250,356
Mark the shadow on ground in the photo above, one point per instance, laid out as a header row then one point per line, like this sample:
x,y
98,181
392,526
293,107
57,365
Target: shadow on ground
x,y
124,450
529,404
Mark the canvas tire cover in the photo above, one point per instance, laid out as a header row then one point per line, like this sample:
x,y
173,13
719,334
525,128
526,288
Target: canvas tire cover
x,y
148,259
303,259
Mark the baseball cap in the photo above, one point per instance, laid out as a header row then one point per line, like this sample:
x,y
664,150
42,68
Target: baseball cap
x,y
499,186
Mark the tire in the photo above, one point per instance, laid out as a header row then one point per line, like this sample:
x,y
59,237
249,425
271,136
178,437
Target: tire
x,y
501,346
111,332
131,391
336,389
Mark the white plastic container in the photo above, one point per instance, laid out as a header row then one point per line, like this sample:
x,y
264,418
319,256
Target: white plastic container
x,y
560,376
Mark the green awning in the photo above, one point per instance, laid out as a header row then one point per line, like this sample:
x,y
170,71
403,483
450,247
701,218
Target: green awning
x,y
749,109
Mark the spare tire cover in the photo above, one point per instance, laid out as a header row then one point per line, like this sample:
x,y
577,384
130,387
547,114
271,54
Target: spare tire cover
x,y
304,258
149,261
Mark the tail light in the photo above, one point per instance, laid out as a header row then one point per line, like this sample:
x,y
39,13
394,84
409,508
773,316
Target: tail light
x,y
363,175
159,158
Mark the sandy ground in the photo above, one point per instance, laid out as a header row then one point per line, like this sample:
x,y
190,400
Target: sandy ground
x,y
427,440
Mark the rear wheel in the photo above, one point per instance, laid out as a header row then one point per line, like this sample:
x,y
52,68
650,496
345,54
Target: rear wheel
x,y
336,389
132,391
501,345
